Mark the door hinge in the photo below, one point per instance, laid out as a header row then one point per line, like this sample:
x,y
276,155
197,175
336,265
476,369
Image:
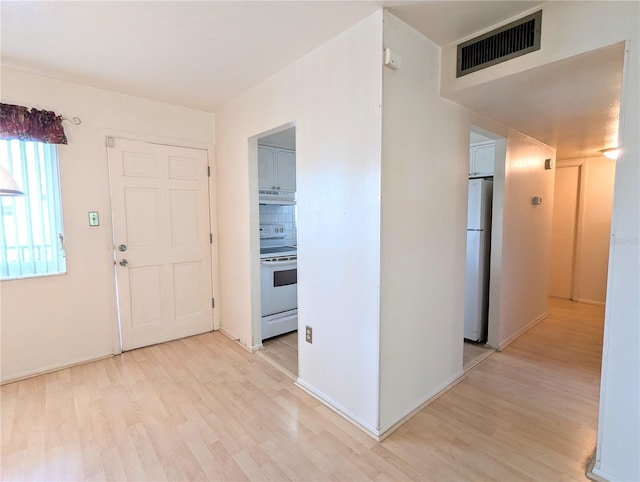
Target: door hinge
x,y
210,238
208,171
111,142
213,303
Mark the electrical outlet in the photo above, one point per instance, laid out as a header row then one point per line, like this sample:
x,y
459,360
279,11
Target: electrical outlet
x,y
308,334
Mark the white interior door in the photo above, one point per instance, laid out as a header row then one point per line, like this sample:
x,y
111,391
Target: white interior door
x,y
563,232
160,210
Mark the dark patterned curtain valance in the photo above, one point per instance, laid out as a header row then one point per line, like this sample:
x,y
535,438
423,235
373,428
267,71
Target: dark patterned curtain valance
x,y
18,122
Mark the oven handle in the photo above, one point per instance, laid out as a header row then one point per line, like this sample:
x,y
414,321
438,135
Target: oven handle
x,y
291,262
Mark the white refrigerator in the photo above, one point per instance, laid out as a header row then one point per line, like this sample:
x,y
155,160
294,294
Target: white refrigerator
x,y
476,298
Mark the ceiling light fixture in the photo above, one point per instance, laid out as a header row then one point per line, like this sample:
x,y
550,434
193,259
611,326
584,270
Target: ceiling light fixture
x,y
8,185
611,152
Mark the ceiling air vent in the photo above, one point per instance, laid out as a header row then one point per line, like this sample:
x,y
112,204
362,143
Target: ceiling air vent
x,y
504,43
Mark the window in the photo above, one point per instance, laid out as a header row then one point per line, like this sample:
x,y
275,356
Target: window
x,y
31,236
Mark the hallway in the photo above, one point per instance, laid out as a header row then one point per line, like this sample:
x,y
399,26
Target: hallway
x,y
526,413
203,408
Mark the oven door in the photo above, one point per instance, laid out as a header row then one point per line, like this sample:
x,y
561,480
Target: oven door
x,y
279,286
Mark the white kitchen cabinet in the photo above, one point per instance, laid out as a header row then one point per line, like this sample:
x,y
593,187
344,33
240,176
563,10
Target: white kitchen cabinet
x,y
481,159
286,170
276,168
266,167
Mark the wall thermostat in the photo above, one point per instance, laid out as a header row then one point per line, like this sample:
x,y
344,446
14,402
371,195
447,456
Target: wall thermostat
x,y
391,59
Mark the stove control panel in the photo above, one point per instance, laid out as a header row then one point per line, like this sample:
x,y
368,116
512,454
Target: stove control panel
x,y
272,231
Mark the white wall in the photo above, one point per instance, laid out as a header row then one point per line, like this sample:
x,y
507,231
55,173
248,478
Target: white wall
x,y
619,416
596,229
333,95
563,28
56,321
425,156
522,251
563,24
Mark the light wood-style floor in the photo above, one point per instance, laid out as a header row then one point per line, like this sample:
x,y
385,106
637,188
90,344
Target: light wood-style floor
x,y
474,353
203,408
283,351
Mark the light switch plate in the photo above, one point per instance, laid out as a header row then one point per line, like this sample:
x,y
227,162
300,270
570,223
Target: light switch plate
x,y
94,219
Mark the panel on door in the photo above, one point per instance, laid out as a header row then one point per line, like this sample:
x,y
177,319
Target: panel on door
x,y
160,210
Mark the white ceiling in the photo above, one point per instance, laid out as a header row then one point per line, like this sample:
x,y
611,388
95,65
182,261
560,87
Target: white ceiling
x,y
198,54
203,54
572,104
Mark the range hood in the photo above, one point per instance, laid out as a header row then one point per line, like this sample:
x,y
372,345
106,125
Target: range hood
x,y
268,196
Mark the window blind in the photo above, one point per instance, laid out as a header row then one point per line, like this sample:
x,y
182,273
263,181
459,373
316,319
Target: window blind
x,y
31,236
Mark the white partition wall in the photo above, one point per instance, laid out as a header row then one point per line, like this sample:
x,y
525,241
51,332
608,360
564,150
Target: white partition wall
x,y
333,96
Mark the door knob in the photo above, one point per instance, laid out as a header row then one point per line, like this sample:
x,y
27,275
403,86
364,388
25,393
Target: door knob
x,y
124,262
122,247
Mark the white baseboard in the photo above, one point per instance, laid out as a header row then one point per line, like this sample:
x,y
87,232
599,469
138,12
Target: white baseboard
x,y
503,344
239,342
601,476
387,430
591,302
50,369
379,434
589,470
339,409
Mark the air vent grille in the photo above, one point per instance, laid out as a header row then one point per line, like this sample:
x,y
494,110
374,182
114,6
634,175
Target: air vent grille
x,y
505,43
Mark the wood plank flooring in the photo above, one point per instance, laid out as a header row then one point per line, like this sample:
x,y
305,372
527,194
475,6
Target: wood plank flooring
x,y
474,353
202,408
283,351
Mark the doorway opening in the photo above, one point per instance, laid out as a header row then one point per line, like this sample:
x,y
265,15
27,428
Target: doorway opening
x,y
487,152
275,327
575,121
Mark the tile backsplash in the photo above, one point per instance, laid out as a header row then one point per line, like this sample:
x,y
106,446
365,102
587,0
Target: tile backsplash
x,y
285,215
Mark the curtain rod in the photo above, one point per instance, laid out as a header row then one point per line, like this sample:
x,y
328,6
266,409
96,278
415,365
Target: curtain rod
x,y
76,121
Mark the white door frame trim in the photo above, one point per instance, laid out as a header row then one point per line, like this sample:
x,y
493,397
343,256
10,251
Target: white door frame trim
x,y
255,343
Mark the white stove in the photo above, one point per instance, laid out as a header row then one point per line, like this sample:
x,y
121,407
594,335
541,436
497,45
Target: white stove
x,y
278,282
278,252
